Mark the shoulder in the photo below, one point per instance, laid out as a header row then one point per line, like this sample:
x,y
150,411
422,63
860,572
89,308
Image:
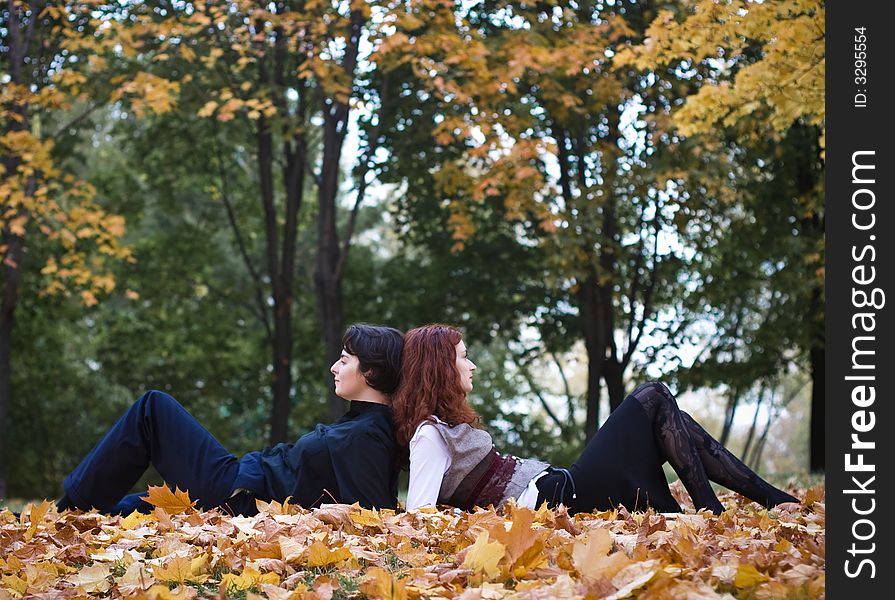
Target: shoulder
x,y
429,427
426,429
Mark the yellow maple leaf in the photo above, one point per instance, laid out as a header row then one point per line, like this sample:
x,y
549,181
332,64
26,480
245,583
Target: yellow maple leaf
x,y
748,576
171,502
366,518
163,592
134,520
483,556
14,584
182,570
36,515
319,555
250,577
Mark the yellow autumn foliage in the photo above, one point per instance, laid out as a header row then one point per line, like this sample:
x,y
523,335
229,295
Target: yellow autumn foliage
x,y
786,83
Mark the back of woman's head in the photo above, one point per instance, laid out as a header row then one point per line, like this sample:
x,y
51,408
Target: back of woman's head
x,y
430,384
378,350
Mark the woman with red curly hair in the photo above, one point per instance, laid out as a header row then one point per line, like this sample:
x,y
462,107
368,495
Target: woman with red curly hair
x,y
453,461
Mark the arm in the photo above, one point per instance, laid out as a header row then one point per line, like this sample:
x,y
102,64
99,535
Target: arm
x,y
429,460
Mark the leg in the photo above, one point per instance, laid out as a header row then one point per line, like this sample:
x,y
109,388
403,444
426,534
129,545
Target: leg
x,y
621,465
725,468
155,429
674,442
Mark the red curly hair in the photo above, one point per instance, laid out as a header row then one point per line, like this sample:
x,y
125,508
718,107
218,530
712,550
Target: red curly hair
x,y
430,384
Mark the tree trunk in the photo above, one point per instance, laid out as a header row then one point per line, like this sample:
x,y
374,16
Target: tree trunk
x,y
330,262
281,350
12,276
592,320
327,279
614,375
730,410
809,174
818,407
281,355
751,435
15,245
755,460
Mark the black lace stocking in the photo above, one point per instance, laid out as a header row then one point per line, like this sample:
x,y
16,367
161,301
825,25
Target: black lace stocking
x,y
723,467
674,442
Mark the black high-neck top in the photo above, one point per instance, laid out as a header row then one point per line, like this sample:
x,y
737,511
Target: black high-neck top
x,y
351,460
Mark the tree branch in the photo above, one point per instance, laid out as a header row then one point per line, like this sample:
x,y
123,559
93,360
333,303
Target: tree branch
x,y
372,146
523,369
36,9
76,120
570,399
234,225
229,298
647,302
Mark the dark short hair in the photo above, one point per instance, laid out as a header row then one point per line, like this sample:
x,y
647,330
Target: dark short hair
x,y
378,350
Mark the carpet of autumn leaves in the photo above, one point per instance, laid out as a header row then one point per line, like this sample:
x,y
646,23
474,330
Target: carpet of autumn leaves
x,y
341,551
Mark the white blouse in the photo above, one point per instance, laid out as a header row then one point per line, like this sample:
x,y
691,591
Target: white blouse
x,y
429,461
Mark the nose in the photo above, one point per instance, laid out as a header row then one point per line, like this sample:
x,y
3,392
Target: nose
x,y
472,366
333,369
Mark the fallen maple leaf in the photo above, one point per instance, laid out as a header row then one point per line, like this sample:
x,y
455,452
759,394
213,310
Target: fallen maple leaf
x,y
592,558
134,520
748,576
92,579
366,518
183,570
519,537
163,592
15,584
247,579
483,556
172,503
135,578
320,555
36,515
291,550
381,584
634,576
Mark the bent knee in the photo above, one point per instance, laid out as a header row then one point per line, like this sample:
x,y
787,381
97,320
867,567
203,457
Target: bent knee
x,y
652,385
157,398
655,389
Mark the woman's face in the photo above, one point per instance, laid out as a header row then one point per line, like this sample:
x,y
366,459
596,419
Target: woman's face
x,y
465,367
350,382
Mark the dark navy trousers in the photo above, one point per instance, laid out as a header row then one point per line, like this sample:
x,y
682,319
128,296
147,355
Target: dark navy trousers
x,y
156,430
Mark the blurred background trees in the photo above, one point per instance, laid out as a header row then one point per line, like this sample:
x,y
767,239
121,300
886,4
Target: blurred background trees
x,y
597,192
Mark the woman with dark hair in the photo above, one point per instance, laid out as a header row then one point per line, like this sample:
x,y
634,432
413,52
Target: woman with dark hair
x,y
351,460
453,461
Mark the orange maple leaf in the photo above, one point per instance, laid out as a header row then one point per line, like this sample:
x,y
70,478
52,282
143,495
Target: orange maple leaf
x,y
593,559
171,502
379,583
